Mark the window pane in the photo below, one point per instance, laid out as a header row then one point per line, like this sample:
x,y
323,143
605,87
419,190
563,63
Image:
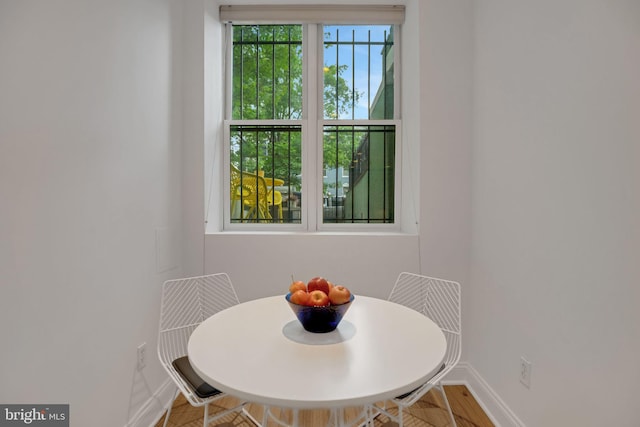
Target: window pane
x,y
267,72
359,180
266,115
265,187
358,72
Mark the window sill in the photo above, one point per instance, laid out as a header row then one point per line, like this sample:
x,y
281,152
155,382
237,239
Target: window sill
x,y
255,233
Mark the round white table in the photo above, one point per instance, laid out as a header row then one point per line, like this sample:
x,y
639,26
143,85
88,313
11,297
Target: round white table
x,y
259,352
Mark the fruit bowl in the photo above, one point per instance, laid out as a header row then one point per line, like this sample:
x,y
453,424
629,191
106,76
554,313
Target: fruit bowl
x,y
319,319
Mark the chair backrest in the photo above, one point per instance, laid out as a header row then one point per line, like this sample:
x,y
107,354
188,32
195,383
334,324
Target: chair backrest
x,y
185,304
439,300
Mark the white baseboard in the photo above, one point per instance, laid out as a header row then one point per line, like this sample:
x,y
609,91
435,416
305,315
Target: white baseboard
x,y
495,408
152,410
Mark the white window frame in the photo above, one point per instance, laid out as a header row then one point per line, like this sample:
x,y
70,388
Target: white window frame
x,y
312,124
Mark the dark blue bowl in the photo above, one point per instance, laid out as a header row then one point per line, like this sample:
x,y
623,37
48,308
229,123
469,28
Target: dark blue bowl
x,y
319,319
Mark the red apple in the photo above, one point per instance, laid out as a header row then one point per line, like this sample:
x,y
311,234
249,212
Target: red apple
x,y
331,285
318,284
299,297
339,295
318,298
297,285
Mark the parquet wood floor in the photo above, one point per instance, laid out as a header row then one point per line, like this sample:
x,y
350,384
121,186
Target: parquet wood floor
x,y
427,412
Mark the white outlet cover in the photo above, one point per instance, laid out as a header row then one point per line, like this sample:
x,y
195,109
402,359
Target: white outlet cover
x,y
525,372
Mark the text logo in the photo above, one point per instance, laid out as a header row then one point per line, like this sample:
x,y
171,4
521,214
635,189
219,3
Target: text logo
x,y
34,415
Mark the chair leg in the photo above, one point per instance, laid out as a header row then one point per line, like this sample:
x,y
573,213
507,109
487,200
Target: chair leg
x,y
251,418
208,419
446,402
280,421
166,416
373,412
383,409
334,418
265,415
206,415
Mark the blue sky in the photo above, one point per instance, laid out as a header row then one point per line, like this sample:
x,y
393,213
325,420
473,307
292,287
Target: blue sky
x,y
368,71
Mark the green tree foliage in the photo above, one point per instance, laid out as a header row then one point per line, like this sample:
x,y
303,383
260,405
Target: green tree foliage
x,y
267,85
267,72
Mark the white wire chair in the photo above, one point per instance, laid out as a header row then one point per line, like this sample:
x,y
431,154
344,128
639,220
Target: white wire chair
x,y
185,304
439,300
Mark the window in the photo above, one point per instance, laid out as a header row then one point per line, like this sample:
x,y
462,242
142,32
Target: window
x,y
312,126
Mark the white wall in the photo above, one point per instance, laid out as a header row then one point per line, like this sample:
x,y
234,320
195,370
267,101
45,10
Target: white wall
x,y
90,173
195,108
556,200
445,79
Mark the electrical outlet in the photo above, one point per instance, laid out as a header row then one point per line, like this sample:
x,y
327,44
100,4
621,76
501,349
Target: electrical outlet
x,y
525,372
142,356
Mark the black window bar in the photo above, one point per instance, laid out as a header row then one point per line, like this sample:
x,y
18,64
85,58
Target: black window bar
x,y
256,147
365,140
